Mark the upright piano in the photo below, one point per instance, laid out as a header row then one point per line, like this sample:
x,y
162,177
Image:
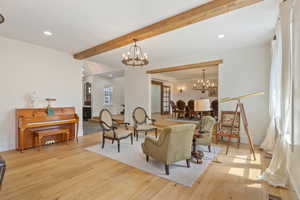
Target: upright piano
x,y
30,119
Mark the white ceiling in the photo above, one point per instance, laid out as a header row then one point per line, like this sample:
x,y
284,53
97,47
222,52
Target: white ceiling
x,y
78,24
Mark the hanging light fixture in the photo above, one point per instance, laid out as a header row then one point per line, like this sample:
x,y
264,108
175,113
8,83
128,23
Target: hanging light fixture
x,y
135,56
204,84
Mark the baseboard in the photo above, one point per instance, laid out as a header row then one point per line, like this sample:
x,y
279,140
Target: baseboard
x,y
292,188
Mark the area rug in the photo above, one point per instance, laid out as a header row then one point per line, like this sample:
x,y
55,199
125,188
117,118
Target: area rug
x,y
132,155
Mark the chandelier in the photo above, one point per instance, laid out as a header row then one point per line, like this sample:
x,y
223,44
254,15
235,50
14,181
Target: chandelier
x,y
204,84
135,56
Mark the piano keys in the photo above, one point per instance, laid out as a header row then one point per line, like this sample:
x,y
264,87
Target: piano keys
x,y
31,119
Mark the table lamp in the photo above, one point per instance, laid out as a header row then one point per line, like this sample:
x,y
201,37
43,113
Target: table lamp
x,y
202,105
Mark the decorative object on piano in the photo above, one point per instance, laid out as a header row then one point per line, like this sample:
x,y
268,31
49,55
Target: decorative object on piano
x,y
35,101
240,106
31,119
50,110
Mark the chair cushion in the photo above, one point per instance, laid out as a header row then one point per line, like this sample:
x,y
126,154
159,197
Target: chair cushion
x,y
145,127
119,133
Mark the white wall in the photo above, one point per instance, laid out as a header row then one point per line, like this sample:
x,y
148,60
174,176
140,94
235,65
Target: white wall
x,y
26,68
155,98
98,85
137,92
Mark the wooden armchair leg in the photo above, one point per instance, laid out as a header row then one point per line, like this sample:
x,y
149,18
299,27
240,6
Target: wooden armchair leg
x,y
209,148
103,142
188,164
118,146
167,169
147,158
155,133
131,138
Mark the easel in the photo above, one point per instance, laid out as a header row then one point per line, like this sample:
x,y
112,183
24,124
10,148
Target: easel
x,y
240,106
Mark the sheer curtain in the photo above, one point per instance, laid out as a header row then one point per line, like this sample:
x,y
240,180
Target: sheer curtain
x,y
277,174
275,91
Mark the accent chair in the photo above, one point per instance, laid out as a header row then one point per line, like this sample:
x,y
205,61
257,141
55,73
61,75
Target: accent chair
x,y
174,144
141,122
110,129
207,126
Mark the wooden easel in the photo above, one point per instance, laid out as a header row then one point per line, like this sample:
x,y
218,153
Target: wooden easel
x,y
240,106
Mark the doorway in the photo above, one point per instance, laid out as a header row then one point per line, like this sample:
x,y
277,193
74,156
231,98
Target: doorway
x,y
160,98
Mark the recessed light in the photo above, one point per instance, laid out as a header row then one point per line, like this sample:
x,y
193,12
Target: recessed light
x,y
221,36
48,33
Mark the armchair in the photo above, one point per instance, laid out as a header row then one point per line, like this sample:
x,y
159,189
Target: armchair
x,y
207,126
111,131
141,124
174,144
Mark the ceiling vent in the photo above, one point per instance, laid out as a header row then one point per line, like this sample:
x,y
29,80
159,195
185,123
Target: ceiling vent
x,y
1,19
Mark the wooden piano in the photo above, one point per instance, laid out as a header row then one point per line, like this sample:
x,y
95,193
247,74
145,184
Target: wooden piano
x,y
31,119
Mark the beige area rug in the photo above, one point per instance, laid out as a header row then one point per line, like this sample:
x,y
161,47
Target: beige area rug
x,y
132,155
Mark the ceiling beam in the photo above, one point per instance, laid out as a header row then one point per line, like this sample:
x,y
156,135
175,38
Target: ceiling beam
x,y
212,63
194,15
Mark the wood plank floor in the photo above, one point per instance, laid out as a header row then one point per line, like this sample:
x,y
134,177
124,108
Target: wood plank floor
x,y
69,172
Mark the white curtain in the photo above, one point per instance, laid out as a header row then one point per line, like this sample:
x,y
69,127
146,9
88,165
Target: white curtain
x,y
275,92
277,174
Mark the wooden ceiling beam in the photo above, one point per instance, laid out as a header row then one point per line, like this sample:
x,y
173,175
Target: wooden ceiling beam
x,y
212,63
194,15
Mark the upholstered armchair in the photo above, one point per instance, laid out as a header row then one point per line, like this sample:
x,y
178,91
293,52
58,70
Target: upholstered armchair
x,y
141,122
174,144
207,126
111,129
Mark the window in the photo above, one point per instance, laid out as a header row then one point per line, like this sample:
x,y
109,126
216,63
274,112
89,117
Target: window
x,y
108,96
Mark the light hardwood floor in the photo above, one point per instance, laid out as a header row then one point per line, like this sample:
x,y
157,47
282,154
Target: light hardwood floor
x,y
69,172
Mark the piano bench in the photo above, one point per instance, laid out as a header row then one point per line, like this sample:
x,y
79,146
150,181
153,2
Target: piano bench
x,y
40,134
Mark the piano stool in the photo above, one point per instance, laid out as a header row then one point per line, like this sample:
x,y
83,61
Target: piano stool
x,y
40,134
